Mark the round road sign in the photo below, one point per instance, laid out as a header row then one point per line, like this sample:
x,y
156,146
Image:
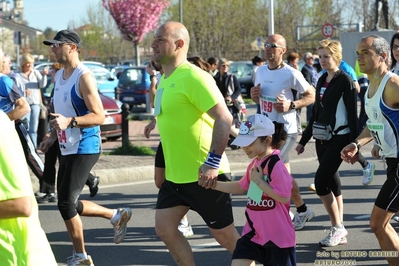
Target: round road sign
x,y
327,30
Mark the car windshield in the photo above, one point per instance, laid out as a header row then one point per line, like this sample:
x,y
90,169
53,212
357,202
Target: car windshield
x,y
100,73
131,77
241,69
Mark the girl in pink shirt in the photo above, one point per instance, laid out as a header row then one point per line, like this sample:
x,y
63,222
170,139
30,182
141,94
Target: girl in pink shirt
x,y
268,236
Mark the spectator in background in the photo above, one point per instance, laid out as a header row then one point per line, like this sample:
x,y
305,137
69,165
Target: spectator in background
x,y
293,60
257,62
311,76
23,241
231,90
212,61
32,81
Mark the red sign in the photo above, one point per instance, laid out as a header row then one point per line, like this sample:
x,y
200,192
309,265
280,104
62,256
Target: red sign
x,y
327,30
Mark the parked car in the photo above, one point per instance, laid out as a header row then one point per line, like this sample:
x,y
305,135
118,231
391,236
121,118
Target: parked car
x,y
133,86
243,71
117,70
111,129
106,81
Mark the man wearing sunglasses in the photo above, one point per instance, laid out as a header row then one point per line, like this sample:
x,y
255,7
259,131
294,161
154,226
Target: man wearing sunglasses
x,y
78,114
274,83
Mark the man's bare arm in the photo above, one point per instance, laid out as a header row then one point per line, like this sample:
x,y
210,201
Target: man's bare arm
x,y
20,207
20,109
308,97
88,90
221,129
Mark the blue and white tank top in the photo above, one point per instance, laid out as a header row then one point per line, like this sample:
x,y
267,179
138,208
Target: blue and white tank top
x,y
69,103
383,121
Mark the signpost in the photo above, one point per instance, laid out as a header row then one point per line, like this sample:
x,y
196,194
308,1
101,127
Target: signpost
x,y
327,30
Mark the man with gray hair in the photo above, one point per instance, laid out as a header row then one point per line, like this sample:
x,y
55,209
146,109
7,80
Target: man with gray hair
x,y
373,53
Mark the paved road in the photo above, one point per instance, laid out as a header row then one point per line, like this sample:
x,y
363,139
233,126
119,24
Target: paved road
x,y
143,247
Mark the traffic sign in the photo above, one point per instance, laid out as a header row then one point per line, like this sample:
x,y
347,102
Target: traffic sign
x,y
327,30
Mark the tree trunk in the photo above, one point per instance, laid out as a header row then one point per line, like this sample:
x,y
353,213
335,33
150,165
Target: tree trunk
x,y
136,50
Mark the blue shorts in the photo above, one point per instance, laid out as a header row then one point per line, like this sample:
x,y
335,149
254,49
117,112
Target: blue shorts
x,y
213,206
269,254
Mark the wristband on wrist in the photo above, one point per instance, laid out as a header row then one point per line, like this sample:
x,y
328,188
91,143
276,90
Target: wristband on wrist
x,y
357,143
213,160
152,76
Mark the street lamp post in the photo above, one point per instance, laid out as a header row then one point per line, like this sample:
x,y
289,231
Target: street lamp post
x,y
271,18
181,11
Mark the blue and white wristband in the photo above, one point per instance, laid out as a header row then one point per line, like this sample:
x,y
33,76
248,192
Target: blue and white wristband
x,y
213,160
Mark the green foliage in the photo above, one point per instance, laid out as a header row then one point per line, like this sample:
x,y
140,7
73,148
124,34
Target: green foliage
x,y
130,149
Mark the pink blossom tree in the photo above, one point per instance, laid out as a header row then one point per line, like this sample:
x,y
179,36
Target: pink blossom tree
x,y
135,18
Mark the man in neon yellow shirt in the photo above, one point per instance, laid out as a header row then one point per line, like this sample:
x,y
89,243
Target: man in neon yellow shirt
x,y
194,124
22,240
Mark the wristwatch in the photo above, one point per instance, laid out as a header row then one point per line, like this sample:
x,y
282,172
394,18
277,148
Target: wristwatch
x,y
74,123
292,105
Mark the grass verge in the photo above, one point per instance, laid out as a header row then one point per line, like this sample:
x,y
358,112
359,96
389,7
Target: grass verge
x,y
130,149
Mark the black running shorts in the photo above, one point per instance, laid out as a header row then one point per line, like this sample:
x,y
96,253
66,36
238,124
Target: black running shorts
x,y
212,205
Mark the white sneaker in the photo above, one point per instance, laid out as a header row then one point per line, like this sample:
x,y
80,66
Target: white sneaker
x,y
368,174
186,230
75,260
301,218
334,237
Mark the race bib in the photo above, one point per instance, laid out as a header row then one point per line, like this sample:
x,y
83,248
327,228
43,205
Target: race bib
x,y
68,140
377,132
266,106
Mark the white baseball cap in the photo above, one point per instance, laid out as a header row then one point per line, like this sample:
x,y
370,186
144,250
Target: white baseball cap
x,y
257,125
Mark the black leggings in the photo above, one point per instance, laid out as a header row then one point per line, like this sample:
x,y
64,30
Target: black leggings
x,y
72,176
329,155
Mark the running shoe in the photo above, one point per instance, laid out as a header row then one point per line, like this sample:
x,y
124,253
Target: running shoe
x,y
75,260
49,197
301,218
186,230
334,237
368,174
120,226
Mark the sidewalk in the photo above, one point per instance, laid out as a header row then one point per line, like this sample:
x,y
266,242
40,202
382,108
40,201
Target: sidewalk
x,y
118,168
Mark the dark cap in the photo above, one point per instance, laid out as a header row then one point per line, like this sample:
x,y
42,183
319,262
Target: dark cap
x,y
65,36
